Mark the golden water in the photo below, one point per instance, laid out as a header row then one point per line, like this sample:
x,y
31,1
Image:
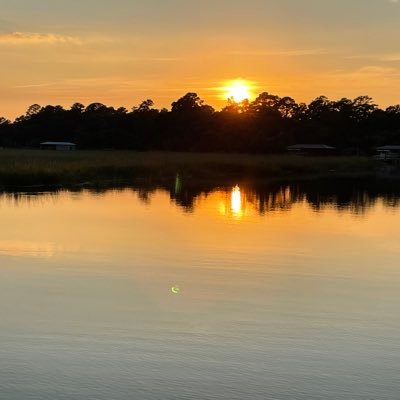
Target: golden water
x,y
131,295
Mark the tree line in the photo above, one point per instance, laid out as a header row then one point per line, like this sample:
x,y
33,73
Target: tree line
x,y
266,125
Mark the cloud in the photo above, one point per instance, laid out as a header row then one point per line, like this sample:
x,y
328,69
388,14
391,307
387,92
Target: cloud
x,y
383,57
283,53
376,70
391,57
35,85
373,75
32,38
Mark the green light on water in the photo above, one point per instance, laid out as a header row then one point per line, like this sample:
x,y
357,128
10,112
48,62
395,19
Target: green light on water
x,y
178,184
175,290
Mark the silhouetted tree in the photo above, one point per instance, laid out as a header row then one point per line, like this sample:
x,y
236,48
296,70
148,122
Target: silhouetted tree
x,y
144,106
190,102
77,107
33,110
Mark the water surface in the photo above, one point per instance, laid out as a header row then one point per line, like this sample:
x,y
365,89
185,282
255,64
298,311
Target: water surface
x,y
285,292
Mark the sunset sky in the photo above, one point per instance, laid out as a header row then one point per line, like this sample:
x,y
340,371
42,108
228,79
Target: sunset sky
x,y
123,51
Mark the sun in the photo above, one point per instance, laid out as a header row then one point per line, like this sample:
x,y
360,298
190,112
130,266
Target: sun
x,y
238,90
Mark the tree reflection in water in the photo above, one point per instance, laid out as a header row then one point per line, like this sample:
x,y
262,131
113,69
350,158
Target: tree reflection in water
x,y
356,195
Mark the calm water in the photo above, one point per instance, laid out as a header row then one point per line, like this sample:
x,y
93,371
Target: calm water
x,y
284,292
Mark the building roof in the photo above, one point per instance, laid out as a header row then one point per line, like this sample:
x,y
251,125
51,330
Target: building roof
x,y
394,147
58,143
310,147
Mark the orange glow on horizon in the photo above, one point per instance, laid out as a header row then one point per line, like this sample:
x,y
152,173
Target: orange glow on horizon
x,y
238,90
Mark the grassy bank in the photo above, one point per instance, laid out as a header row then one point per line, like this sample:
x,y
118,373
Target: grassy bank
x,y
36,167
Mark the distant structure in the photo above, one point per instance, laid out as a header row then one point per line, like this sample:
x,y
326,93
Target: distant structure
x,y
59,146
311,149
387,153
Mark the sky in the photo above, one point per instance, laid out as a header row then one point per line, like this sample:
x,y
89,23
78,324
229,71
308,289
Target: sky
x,y
121,52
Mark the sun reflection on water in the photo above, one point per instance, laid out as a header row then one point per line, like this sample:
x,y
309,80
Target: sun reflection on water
x,y
232,204
236,201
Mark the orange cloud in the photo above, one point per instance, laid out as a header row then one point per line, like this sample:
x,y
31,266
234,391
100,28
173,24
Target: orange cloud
x,y
16,38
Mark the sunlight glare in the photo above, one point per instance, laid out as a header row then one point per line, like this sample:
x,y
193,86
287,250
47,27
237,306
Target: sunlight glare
x,y
238,90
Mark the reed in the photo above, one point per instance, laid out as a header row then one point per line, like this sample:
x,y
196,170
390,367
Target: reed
x,y
37,167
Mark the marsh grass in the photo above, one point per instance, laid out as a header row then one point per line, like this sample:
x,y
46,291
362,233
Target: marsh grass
x,y
36,167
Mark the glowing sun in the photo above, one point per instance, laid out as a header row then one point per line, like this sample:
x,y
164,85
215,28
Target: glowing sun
x,y
238,90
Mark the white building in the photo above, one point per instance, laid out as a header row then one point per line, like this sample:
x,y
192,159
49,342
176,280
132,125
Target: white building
x,y
311,149
60,146
388,153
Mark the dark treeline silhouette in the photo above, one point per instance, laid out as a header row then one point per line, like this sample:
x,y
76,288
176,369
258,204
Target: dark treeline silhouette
x,y
266,125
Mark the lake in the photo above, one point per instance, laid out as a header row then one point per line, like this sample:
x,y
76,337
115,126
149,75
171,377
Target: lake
x,y
190,290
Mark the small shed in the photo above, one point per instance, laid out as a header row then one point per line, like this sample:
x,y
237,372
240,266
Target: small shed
x,y
391,152
59,146
311,149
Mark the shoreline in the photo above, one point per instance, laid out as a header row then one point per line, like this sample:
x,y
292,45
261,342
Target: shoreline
x,y
27,169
